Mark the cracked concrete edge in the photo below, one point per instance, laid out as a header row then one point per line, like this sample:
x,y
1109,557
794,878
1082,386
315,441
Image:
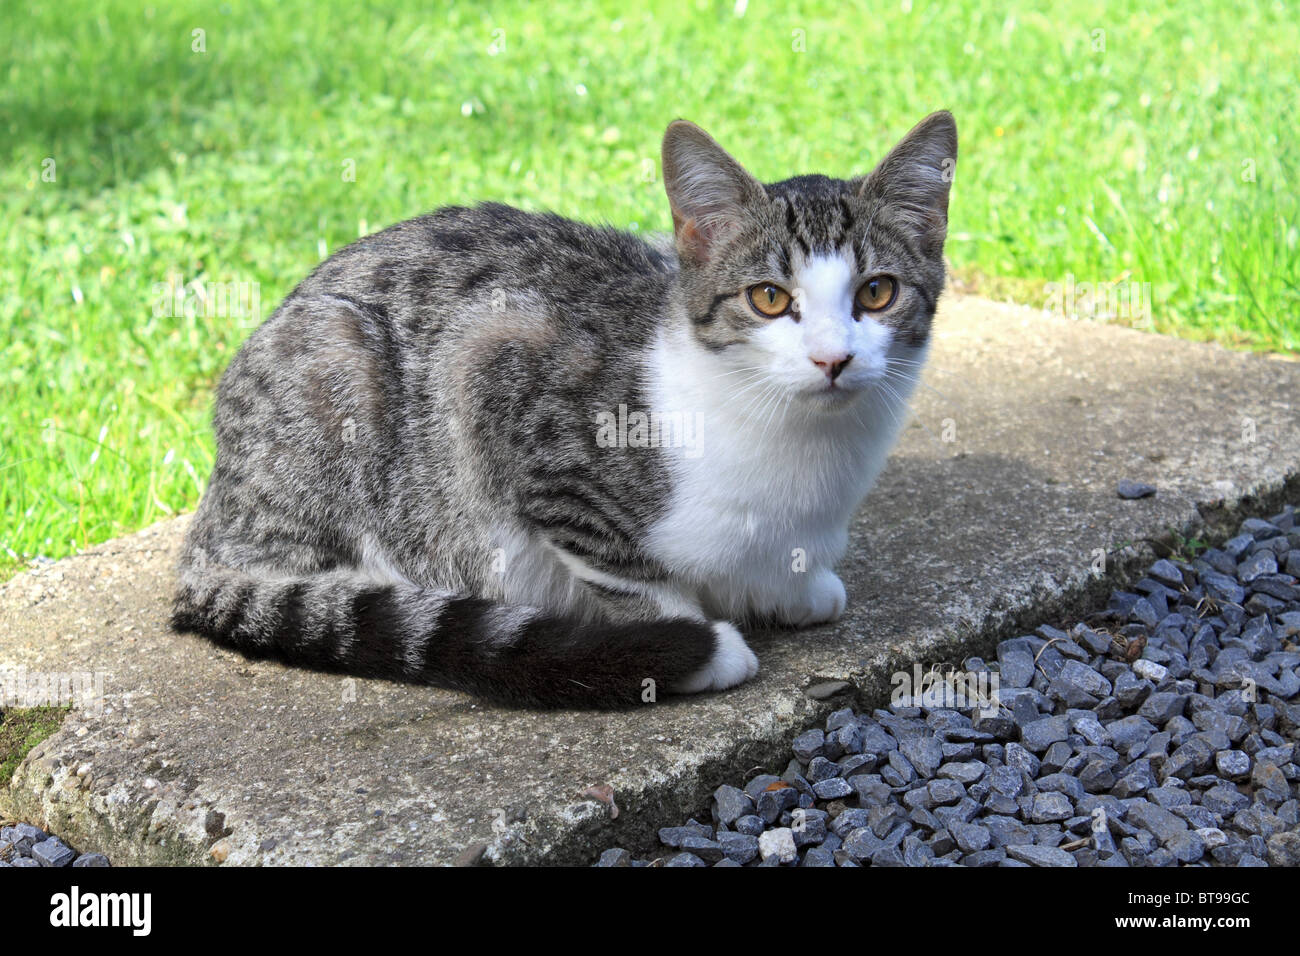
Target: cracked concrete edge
x,y
129,834
583,835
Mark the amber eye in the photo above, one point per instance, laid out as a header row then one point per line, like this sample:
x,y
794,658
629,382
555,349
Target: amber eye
x,y
877,293
769,300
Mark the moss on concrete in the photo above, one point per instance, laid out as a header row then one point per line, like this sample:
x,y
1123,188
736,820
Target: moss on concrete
x,y
21,729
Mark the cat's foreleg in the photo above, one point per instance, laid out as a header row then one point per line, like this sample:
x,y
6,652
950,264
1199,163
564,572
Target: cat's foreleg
x,y
815,596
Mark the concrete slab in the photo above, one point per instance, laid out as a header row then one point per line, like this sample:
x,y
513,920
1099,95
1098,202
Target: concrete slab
x,y
986,521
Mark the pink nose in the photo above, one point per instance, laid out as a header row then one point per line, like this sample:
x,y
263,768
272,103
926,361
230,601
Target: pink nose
x,y
832,365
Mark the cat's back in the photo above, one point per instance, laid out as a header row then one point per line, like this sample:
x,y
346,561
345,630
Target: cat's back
x,y
446,341
456,259
437,308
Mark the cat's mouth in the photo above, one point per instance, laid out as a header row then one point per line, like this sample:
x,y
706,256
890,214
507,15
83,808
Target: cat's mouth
x,y
833,393
836,393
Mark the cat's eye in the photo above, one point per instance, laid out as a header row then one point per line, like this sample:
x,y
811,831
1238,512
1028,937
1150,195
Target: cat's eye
x,y
877,293
769,299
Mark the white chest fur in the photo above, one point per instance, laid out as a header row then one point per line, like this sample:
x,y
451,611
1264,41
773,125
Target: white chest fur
x,y
765,499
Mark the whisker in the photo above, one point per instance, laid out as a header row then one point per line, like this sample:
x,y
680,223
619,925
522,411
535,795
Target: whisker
x,y
737,371
928,366
915,417
892,369
758,401
903,378
750,386
778,410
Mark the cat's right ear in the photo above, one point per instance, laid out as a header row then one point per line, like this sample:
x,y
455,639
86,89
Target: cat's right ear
x,y
915,178
708,191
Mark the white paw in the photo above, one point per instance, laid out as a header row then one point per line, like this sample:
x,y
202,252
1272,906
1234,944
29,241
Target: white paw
x,y
733,663
822,601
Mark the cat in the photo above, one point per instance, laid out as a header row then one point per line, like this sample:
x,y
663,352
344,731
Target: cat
x,y
433,460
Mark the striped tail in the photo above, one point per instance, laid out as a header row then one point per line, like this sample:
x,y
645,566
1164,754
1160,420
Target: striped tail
x,y
345,622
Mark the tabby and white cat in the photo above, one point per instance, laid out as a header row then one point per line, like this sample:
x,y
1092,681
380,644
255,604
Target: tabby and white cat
x,y
409,482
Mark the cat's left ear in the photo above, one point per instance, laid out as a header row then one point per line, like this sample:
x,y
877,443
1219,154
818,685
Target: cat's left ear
x,y
915,177
709,192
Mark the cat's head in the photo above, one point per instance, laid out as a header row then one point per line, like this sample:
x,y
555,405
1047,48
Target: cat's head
x,y
822,287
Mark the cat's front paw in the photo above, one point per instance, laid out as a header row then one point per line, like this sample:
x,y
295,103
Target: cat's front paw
x,y
823,600
732,663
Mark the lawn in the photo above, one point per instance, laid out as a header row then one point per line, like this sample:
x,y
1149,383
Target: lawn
x,y
168,172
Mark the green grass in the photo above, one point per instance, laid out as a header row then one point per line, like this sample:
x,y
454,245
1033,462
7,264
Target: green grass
x,y
228,166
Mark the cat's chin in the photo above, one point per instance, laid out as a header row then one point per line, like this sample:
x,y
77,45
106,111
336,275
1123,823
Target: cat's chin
x,y
831,396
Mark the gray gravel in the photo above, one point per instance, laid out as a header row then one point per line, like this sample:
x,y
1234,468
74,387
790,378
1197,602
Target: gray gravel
x,y
1163,732
26,845
1128,488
